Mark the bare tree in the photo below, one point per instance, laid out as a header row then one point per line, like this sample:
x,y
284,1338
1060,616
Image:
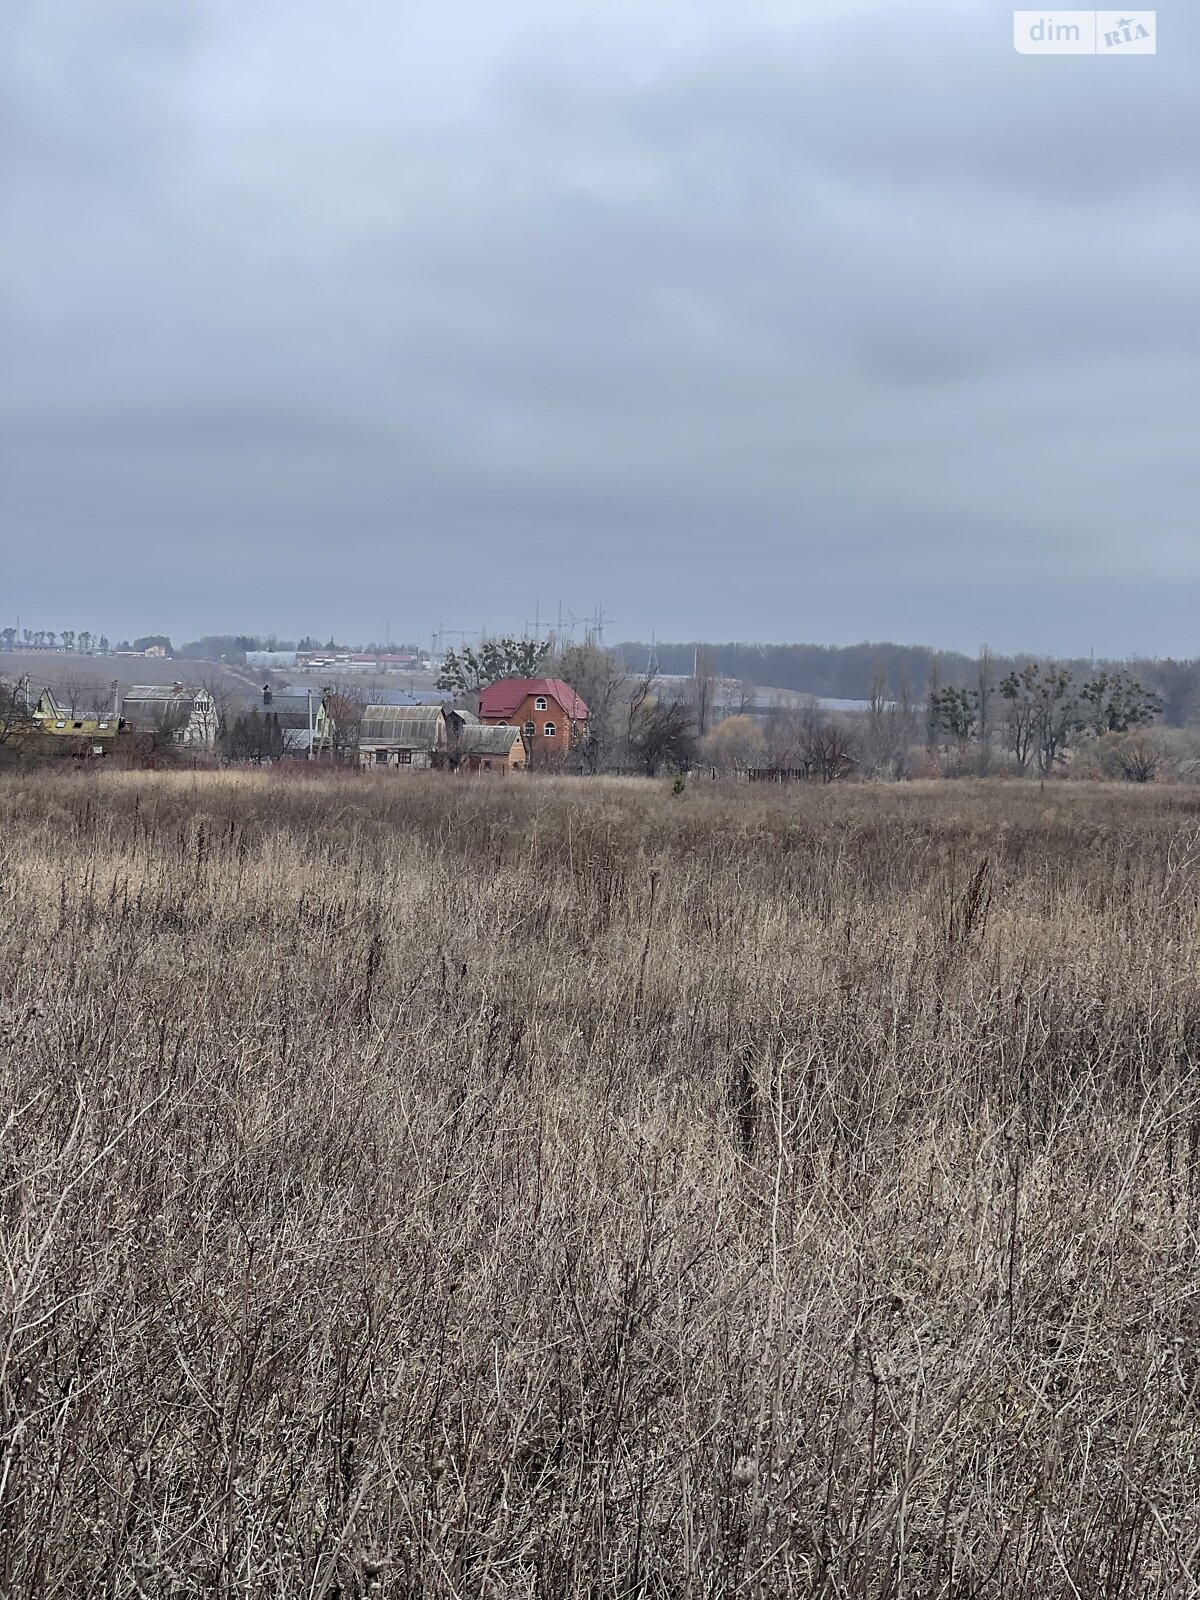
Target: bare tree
x,y
832,751
602,682
70,693
218,690
15,719
104,697
703,688
1137,757
737,742
1021,712
887,730
908,719
346,705
657,733
933,689
985,699
741,698
157,737
641,698
254,735
663,736
789,734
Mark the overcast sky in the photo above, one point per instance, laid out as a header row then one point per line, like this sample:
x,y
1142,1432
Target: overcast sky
x,y
755,320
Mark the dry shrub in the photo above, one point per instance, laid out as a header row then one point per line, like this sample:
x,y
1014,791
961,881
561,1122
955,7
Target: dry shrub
x,y
434,1187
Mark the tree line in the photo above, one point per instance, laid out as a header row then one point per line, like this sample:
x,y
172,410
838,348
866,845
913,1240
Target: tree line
x,y
1036,712
846,672
84,641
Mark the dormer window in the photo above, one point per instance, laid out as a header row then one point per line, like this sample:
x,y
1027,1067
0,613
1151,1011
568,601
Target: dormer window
x,y
540,703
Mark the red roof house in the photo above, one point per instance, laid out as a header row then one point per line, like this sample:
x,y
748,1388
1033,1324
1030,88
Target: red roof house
x,y
547,711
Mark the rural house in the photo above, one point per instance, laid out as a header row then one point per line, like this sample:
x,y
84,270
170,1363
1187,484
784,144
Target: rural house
x,y
93,735
305,721
547,712
187,714
445,737
409,736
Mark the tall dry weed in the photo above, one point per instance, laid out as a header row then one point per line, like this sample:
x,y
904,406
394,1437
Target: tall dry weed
x,y
535,1188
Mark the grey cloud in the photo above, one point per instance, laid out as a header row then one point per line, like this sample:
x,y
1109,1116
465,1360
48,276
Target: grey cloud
x,y
895,312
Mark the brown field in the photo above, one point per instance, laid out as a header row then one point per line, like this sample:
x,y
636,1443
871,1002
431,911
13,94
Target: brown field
x,y
91,674
529,1188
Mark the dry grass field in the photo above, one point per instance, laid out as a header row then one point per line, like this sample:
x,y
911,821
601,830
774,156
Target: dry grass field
x,y
456,1188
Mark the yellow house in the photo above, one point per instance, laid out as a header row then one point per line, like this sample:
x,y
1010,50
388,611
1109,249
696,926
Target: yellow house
x,y
95,734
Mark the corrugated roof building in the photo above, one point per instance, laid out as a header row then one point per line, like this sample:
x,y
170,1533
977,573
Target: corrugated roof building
x,y
187,712
401,736
488,749
430,736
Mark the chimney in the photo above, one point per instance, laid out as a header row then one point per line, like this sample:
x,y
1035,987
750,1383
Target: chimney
x,y
266,694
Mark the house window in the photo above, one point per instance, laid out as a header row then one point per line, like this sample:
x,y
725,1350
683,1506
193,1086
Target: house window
x,y
404,758
550,730
529,730
540,703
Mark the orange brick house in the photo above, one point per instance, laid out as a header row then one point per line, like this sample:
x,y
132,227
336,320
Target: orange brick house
x,y
547,711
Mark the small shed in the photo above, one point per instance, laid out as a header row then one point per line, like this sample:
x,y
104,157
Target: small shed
x,y
484,749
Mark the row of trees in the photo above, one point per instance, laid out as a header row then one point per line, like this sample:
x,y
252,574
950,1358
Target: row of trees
x,y
849,671
1036,712
85,642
